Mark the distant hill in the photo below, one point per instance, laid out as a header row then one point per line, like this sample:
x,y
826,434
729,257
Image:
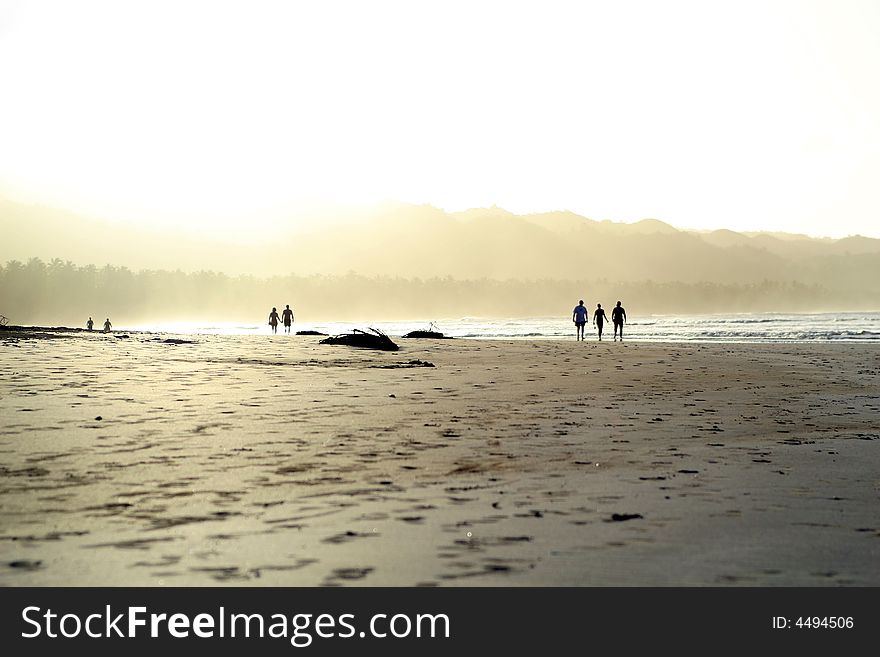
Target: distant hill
x,y
401,240
726,238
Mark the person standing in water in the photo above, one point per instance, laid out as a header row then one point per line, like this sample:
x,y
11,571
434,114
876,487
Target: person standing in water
x,y
618,316
107,325
287,318
89,324
579,317
273,320
599,318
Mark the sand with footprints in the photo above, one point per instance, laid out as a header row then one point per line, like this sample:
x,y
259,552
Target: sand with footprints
x,y
273,460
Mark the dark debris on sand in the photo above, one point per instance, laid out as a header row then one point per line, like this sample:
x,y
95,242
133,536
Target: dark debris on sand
x,y
11,328
412,363
374,339
37,332
14,332
622,517
310,333
433,335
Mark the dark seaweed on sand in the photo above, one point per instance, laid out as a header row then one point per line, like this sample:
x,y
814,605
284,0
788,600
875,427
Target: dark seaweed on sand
x,y
374,339
310,333
434,335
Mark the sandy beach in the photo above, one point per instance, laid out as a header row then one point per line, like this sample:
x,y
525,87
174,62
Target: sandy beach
x,y
273,460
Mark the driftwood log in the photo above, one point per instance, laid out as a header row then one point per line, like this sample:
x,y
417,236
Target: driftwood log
x,y
374,339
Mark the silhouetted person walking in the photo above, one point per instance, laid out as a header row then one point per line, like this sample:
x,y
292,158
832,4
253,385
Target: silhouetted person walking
x,y
107,325
579,317
273,320
287,318
618,316
90,324
599,318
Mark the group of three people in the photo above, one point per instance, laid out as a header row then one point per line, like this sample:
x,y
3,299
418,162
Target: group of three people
x,y
286,317
580,313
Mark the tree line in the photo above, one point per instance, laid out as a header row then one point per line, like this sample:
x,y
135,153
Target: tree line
x,y
59,292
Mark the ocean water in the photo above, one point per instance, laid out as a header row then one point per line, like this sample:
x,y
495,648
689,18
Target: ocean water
x,y
813,327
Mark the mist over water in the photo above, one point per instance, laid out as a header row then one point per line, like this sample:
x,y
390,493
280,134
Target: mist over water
x,y
764,327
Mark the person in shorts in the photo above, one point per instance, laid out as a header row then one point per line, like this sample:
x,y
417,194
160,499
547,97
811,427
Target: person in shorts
x,y
618,318
599,319
287,318
579,317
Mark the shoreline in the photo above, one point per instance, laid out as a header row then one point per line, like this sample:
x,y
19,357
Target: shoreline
x,y
47,331
244,461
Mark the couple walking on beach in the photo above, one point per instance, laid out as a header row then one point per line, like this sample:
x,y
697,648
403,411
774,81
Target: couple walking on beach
x,y
286,317
107,325
579,317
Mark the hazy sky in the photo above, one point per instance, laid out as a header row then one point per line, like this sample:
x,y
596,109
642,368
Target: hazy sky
x,y
736,114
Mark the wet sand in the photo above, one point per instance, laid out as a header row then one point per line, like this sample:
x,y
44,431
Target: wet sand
x,y
274,460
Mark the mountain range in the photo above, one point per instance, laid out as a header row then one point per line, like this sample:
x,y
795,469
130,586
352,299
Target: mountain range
x,y
409,241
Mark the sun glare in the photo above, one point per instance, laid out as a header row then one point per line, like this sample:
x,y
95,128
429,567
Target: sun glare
x,y
737,115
